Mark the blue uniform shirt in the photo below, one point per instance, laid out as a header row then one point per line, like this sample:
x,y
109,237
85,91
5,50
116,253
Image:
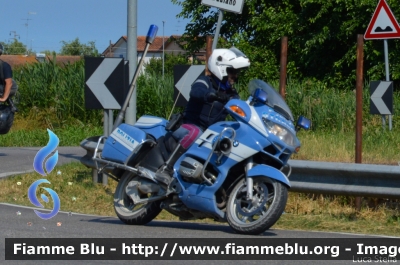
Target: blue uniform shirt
x,y
199,111
7,72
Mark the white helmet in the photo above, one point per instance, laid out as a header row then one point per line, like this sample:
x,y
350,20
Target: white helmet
x,y
222,59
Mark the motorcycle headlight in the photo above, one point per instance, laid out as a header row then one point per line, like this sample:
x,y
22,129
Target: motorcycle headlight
x,y
285,135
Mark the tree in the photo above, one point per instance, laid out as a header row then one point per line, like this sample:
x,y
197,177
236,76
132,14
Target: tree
x,y
49,53
14,48
154,66
322,36
76,48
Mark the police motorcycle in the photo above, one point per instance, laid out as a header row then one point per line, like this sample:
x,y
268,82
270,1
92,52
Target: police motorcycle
x,y
234,172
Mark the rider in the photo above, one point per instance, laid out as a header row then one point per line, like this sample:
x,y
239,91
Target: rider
x,y
208,96
5,78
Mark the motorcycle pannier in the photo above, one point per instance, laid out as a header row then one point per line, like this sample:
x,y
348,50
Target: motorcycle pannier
x,y
122,142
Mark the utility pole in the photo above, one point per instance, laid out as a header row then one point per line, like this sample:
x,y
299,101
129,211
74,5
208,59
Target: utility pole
x,y
130,116
27,29
110,50
15,35
163,48
14,38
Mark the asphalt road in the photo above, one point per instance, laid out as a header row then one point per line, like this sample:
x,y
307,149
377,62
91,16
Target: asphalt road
x,y
22,222
19,160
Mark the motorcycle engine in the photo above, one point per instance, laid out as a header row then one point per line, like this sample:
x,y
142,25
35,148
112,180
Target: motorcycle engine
x,y
190,170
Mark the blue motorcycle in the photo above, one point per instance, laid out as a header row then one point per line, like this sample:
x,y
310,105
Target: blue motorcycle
x,y
234,172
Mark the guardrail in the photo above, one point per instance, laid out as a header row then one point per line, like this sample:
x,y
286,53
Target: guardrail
x,y
345,179
320,177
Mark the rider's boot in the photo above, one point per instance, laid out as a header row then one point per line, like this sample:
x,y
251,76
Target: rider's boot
x,y
165,172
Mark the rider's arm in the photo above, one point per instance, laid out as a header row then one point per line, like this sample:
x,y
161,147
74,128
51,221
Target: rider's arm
x,y
201,88
7,72
7,89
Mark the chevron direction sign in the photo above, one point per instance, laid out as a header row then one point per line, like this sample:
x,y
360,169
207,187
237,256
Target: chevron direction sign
x,y
184,76
381,101
106,82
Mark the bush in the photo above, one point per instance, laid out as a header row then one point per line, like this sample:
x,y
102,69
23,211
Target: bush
x,y
155,64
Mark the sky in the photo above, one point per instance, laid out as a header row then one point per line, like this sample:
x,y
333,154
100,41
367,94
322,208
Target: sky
x,y
43,24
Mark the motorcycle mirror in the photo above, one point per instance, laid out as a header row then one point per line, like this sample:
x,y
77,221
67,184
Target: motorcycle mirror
x,y
260,95
303,123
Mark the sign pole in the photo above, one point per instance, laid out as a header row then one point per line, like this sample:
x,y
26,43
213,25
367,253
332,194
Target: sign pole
x,y
383,25
106,129
387,79
231,6
220,17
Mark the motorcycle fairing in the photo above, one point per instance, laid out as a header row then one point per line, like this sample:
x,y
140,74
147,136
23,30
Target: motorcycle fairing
x,y
254,115
249,142
268,171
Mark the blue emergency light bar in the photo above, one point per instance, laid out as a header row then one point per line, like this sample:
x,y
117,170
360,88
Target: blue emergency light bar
x,y
151,34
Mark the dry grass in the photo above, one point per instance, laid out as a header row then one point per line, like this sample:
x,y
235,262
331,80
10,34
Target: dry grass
x,y
337,213
73,183
378,147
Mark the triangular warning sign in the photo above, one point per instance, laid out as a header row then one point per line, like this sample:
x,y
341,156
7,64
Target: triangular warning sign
x,y
383,24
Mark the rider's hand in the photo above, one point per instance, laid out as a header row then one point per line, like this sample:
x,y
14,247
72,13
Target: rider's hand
x,y
220,96
211,97
223,97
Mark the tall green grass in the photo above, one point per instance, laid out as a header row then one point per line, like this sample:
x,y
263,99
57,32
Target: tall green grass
x,y
155,95
52,96
70,135
56,89
333,109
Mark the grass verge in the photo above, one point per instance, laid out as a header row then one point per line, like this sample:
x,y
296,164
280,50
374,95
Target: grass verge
x,y
74,186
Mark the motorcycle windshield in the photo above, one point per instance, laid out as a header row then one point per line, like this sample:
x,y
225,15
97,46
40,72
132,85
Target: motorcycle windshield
x,y
274,99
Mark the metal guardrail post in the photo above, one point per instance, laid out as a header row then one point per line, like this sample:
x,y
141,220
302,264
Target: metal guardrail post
x,y
95,176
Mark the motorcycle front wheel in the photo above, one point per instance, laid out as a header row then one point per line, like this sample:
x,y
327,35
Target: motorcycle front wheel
x,y
127,211
254,216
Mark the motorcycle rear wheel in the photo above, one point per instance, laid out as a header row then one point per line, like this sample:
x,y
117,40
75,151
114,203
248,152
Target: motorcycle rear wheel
x,y
127,211
256,216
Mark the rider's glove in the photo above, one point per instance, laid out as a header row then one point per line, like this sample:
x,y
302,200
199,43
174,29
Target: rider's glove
x,y
211,97
220,96
223,97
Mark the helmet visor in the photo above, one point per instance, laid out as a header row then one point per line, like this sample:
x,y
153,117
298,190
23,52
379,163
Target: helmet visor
x,y
237,52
